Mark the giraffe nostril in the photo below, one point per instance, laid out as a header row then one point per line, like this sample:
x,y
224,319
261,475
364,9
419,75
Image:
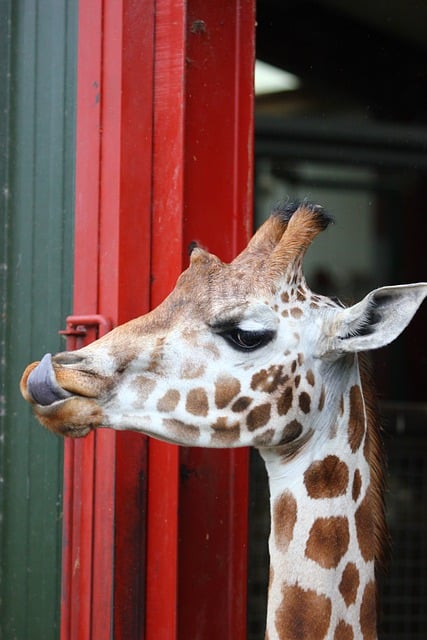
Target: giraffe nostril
x,y
67,357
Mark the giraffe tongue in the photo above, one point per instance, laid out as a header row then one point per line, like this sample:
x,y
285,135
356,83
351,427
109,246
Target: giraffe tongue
x,y
42,385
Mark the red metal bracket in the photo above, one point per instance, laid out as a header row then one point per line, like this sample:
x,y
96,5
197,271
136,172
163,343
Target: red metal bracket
x,y
81,330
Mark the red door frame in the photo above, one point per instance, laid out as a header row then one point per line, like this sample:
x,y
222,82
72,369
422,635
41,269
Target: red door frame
x,y
164,156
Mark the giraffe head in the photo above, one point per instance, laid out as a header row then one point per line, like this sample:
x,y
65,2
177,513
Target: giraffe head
x,y
238,354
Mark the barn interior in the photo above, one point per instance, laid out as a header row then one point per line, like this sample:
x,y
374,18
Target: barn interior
x,y
347,128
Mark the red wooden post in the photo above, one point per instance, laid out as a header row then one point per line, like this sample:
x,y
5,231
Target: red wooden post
x,y
218,213
164,156
105,475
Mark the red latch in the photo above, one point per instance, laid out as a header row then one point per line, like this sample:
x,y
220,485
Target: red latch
x,y
81,330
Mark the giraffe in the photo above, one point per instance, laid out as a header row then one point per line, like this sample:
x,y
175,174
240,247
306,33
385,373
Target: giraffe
x,y
244,354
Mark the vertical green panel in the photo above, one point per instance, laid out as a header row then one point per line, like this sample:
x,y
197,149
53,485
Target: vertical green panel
x,y
38,170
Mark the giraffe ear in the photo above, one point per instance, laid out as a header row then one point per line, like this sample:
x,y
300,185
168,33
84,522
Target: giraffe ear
x,y
377,319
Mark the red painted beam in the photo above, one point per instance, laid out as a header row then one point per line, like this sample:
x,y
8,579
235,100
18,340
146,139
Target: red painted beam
x,y
218,213
164,156
167,239
104,475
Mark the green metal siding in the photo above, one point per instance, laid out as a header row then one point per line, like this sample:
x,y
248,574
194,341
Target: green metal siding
x,y
37,85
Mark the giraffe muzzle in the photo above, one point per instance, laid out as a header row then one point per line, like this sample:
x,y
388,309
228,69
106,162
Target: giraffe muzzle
x,y
62,399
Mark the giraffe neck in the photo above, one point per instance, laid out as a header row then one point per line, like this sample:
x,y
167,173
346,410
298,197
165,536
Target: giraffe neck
x,y
322,541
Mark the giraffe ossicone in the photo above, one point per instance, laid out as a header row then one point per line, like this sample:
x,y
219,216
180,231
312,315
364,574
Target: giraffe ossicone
x,y
245,354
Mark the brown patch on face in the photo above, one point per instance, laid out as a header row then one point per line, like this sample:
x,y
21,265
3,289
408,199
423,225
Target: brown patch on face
x,y
304,402
321,399
294,366
226,388
268,380
341,409
156,355
182,432
368,613
357,485
349,584
74,418
284,519
343,631
190,370
213,350
328,541
292,431
310,377
356,426
169,401
241,404
297,380
224,433
302,614
289,450
296,312
365,527
285,313
327,478
301,295
258,416
144,387
300,358
285,297
284,403
197,402
264,439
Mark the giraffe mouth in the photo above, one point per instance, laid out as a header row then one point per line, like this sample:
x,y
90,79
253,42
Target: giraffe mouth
x,y
42,386
48,382
63,398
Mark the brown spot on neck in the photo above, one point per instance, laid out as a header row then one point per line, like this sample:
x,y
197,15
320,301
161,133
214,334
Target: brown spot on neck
x,y
365,527
303,614
327,478
368,613
284,519
349,584
357,485
328,541
343,631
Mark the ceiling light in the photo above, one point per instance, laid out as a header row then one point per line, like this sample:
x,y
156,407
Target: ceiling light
x,y
269,79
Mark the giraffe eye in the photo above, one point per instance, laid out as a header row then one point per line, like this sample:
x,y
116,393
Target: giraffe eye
x,y
247,340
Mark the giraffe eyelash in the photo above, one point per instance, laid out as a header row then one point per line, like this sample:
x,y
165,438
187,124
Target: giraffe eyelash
x,y
243,340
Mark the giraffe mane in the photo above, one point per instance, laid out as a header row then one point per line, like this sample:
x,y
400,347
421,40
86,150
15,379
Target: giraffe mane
x,y
377,462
